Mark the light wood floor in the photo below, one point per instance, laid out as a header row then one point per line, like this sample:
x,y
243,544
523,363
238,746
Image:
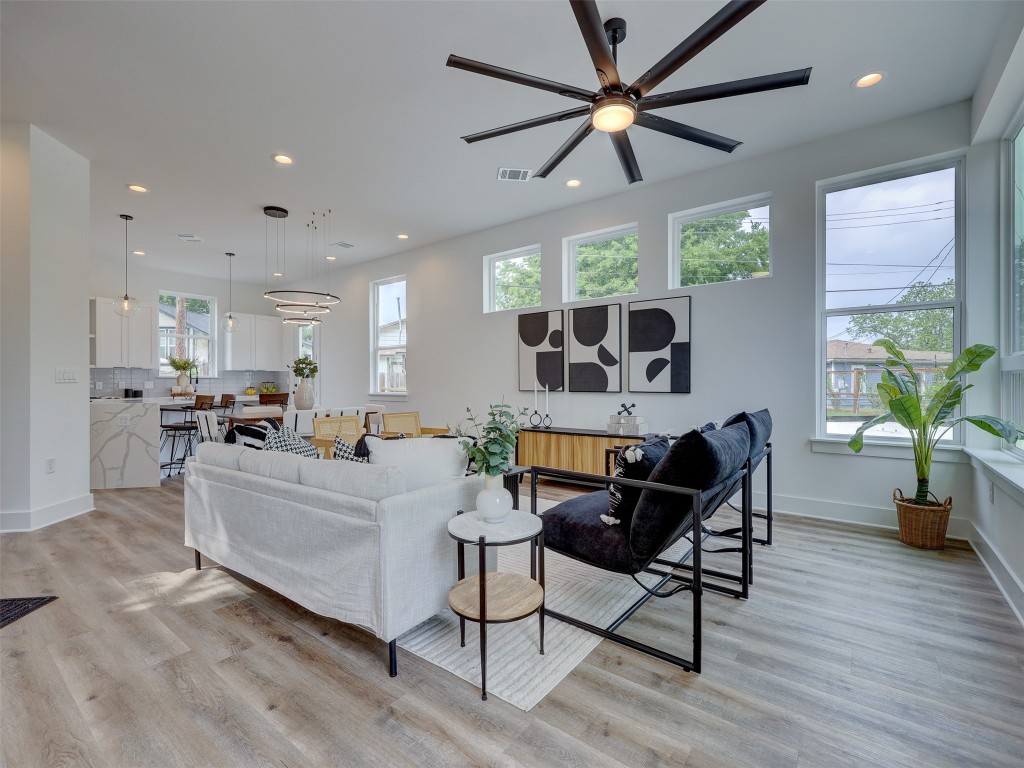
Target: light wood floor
x,y
852,651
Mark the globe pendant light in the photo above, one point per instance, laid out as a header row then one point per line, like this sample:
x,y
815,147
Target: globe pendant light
x,y
229,323
127,305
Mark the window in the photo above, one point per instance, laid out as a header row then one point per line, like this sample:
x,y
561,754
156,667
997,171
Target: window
x,y
892,256
512,279
306,346
186,329
720,243
602,263
390,329
1013,358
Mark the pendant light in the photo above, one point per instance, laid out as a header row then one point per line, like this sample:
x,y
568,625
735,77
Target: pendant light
x,y
229,323
128,305
301,306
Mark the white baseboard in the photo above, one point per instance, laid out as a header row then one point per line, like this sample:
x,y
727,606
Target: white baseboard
x,y
31,520
885,517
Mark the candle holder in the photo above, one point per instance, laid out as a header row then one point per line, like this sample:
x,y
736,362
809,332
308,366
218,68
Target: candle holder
x,y
535,419
546,421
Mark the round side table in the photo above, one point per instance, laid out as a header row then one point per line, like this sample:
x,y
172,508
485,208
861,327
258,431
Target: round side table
x,y
496,597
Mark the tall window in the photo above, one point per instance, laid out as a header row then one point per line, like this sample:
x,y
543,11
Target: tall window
x,y
187,330
720,243
306,341
1013,356
603,263
390,335
892,259
512,279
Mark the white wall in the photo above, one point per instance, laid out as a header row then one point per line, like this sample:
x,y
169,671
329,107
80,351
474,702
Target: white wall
x,y
753,342
46,209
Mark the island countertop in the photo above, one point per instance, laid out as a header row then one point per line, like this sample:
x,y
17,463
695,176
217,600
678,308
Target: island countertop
x,y
124,444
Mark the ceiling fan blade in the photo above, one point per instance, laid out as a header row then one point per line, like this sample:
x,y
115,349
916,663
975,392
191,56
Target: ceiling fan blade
x,y
712,29
563,151
688,132
478,67
724,90
589,20
553,118
626,157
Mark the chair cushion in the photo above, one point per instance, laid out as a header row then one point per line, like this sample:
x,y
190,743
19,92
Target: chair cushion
x,y
575,529
423,460
634,462
285,440
698,460
758,423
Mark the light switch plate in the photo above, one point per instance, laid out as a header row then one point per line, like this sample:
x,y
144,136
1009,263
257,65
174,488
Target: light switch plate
x,y
147,385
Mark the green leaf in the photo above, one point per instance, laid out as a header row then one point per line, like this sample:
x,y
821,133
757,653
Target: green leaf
x,y
907,411
943,402
887,392
998,427
970,360
857,441
889,346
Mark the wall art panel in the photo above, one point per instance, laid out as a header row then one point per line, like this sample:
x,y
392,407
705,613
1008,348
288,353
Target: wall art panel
x,y
659,345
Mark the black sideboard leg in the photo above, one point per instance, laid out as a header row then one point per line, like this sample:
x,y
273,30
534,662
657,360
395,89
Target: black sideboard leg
x,y
393,658
199,564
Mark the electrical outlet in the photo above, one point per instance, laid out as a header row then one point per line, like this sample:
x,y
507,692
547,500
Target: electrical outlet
x,y
51,466
991,492
147,385
99,385
124,420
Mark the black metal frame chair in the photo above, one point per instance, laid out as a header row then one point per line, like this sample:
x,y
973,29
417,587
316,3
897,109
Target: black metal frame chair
x,y
692,578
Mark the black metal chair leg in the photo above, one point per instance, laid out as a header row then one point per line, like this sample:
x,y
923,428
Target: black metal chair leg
x,y
393,658
483,619
199,564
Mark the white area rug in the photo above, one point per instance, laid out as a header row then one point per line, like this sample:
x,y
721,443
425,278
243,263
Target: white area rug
x,y
516,672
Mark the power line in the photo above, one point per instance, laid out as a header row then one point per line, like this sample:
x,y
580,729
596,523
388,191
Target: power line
x,y
893,208
892,223
855,216
890,288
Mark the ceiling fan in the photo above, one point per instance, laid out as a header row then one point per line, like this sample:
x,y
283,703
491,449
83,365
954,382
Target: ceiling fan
x,y
615,106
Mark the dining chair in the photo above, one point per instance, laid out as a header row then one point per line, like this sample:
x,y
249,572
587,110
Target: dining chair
x,y
408,423
348,428
274,398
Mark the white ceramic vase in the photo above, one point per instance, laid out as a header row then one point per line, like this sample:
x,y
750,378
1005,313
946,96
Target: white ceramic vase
x,y
304,395
182,381
493,503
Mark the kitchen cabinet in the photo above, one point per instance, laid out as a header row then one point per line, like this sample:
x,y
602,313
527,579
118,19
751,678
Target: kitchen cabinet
x,y
121,342
267,347
238,346
256,345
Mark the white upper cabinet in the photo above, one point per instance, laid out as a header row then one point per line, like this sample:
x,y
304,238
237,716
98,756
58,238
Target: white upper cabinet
x,y
256,345
122,342
238,346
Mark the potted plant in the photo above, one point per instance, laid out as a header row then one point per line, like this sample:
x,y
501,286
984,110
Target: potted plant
x,y
491,446
927,415
183,365
305,369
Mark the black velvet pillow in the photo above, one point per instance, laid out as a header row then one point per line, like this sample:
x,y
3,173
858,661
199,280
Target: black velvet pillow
x,y
758,423
634,462
699,460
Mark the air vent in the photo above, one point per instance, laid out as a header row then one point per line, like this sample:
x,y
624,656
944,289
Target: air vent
x,y
514,174
190,239
343,244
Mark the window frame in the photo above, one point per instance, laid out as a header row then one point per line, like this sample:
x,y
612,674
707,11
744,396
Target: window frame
x,y
375,349
571,243
1011,365
214,337
955,160
490,273
677,219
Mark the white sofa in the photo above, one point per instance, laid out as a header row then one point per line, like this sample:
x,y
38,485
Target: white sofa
x,y
343,539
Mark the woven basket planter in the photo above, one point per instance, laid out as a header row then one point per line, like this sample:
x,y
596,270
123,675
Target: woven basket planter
x,y
922,525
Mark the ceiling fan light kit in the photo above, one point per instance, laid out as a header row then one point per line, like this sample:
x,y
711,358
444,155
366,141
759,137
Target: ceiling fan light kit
x,y
616,107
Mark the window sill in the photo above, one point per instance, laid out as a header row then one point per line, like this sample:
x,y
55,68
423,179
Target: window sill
x,y
388,396
887,449
1005,470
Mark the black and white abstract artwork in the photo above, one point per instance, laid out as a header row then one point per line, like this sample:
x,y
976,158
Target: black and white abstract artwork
x,y
659,345
595,349
541,351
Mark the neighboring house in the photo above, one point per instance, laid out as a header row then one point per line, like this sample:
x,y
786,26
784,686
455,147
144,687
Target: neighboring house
x,y
391,356
853,369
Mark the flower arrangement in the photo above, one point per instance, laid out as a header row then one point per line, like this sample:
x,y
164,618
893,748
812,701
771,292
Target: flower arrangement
x,y
304,368
492,445
181,364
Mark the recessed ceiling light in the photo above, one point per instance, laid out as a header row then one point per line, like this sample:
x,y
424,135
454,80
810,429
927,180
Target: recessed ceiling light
x,y
868,79
573,183
402,236
283,160
331,258
138,253
136,188
279,274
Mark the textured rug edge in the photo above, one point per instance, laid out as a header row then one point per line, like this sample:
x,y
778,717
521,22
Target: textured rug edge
x,y
14,608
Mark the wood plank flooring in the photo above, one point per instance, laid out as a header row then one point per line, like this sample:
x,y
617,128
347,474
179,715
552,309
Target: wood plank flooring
x,y
853,650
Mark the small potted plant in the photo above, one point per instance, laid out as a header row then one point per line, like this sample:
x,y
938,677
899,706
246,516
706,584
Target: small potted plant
x,y
491,446
305,369
183,365
927,416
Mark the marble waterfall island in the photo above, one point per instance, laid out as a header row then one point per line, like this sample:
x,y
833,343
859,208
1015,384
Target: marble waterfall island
x,y
125,444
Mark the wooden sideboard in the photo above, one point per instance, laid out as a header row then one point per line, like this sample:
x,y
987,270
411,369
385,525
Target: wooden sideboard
x,y
579,450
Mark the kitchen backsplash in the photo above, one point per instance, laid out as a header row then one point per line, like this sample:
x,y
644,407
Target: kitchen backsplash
x,y
113,382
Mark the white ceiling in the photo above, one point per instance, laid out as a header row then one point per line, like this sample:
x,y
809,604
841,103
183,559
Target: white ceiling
x,y
192,98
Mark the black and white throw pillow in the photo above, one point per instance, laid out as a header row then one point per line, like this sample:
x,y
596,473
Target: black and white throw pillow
x,y
347,452
634,462
247,435
285,440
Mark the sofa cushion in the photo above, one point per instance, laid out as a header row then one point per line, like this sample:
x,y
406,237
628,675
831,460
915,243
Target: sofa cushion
x,y
758,423
353,479
634,462
273,464
220,455
285,440
575,528
698,460
423,460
